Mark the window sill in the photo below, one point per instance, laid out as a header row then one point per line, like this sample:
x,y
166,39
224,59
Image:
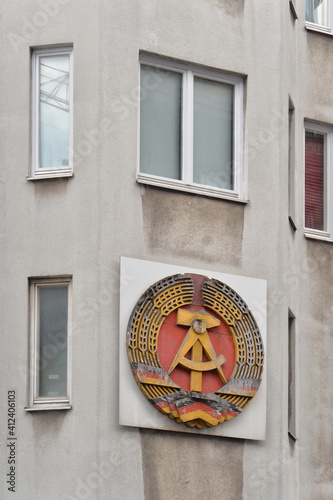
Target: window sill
x,y
190,188
48,406
319,237
50,175
317,29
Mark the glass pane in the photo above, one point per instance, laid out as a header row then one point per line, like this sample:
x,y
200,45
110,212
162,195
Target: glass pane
x,y
316,12
160,122
314,180
53,309
54,111
213,134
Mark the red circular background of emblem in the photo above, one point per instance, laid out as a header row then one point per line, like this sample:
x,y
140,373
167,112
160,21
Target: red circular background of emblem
x,y
172,335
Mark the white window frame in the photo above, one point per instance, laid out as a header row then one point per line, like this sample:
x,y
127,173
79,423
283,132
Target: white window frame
x,y
327,131
187,184
320,27
34,401
60,171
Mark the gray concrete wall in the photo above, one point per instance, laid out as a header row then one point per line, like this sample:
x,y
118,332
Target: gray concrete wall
x,y
81,226
315,311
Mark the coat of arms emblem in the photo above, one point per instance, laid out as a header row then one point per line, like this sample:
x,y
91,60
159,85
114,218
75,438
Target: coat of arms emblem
x,y
195,349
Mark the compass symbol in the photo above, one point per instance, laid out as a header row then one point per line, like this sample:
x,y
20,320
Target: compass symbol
x,y
198,342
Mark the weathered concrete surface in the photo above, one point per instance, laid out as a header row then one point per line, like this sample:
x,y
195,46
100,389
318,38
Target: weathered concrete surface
x,y
189,468
314,273
316,371
193,226
83,225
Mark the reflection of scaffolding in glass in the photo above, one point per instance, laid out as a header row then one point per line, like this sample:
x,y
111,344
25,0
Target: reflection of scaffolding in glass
x,y
54,106
54,87
316,12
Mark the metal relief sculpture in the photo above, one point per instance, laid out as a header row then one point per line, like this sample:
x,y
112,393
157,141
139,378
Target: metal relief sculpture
x,y
195,349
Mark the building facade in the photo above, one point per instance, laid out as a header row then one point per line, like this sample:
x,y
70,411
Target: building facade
x,y
188,134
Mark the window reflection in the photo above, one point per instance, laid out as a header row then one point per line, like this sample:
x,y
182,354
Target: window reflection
x,y
53,314
316,12
54,111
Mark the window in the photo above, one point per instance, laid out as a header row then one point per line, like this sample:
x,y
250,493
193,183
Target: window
x,y
51,113
291,166
318,180
319,14
292,421
191,127
50,325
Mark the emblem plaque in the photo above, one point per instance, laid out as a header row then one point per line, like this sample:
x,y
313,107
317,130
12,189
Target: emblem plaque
x,y
195,349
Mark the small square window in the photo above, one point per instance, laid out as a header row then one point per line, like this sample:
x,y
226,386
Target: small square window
x,y
318,180
191,129
50,326
52,112
319,14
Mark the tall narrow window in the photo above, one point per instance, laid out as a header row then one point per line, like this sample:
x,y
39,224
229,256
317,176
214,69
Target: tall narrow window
x,y
160,124
291,166
213,135
318,180
191,124
50,343
292,377
52,112
314,180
